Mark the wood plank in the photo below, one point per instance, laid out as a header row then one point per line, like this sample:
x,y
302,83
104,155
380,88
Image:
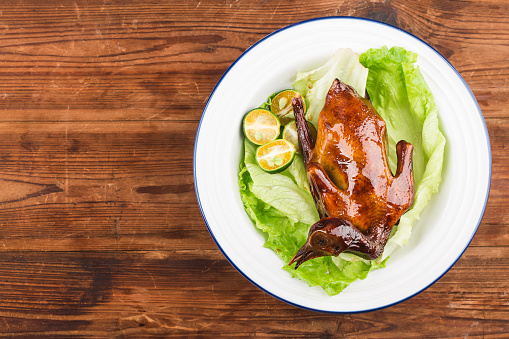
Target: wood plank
x,y
204,53
124,291
100,231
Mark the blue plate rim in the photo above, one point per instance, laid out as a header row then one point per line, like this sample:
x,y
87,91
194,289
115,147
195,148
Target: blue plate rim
x,y
341,18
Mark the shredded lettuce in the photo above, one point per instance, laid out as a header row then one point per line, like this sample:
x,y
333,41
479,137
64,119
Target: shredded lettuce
x,y
281,206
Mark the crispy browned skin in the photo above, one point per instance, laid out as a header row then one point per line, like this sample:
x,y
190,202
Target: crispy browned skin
x,y
358,198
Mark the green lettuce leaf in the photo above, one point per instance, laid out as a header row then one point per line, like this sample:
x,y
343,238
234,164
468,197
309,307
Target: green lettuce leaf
x,y
281,190
403,99
315,84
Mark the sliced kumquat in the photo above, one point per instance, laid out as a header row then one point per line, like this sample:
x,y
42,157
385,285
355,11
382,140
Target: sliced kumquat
x,y
261,126
290,134
275,156
281,105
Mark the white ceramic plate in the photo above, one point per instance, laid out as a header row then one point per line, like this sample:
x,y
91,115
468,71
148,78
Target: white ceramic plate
x,y
448,223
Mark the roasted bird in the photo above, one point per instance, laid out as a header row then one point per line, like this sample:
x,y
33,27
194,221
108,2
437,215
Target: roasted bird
x,y
358,199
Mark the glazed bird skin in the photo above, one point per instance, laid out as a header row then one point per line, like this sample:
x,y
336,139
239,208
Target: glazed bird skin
x,y
358,198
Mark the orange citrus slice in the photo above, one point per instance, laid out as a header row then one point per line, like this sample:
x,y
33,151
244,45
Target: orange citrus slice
x,y
275,156
290,134
261,126
281,105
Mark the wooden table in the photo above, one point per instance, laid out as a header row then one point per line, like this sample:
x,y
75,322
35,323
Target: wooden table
x,y
101,234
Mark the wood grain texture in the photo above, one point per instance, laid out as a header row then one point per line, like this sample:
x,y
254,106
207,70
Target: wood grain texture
x,y
100,231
